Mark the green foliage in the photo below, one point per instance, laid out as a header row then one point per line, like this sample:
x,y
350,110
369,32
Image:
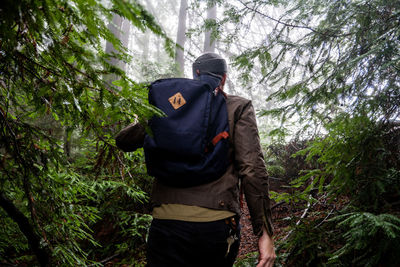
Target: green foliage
x,y
336,69
325,54
19,243
151,71
247,60
248,260
58,115
124,222
359,174
371,240
281,161
358,158
308,245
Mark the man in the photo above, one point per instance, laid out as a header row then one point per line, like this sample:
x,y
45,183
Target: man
x,y
199,226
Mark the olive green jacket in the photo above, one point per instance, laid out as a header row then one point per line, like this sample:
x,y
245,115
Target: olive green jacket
x,y
247,169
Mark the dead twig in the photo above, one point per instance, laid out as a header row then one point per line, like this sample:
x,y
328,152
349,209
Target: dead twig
x,y
324,220
105,260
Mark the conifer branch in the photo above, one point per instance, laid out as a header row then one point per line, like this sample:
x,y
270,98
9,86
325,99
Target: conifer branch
x,y
26,228
294,25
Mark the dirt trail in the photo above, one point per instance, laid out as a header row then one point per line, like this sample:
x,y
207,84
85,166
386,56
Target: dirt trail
x,y
248,241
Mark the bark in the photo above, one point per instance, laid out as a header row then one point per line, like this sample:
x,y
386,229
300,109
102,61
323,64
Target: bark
x,y
126,29
26,228
67,141
148,38
121,28
181,37
146,45
209,43
115,28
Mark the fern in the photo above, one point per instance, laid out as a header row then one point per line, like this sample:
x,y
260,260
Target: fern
x,y
371,240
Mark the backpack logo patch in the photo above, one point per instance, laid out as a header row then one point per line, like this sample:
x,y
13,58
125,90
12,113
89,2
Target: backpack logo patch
x,y
177,100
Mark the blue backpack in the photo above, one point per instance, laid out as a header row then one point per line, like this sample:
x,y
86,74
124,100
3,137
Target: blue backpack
x,y
189,146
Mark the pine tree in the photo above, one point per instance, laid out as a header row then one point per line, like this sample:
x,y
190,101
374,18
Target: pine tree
x,y
52,64
335,66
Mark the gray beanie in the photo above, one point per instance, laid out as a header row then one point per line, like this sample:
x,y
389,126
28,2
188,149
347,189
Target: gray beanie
x,y
210,63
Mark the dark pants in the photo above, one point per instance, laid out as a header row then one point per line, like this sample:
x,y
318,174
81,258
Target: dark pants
x,y
179,243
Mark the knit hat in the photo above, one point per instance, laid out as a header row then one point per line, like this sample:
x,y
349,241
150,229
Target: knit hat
x,y
210,63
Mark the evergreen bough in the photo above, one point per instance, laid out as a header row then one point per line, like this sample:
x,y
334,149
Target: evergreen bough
x,y
334,66
60,170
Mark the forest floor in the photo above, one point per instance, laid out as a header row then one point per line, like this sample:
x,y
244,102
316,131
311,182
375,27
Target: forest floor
x,y
249,242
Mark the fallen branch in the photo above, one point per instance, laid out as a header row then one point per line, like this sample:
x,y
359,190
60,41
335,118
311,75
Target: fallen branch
x,y
298,222
303,215
105,260
329,214
277,205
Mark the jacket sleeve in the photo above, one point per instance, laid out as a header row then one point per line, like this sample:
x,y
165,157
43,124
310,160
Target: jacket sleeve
x,y
131,137
252,171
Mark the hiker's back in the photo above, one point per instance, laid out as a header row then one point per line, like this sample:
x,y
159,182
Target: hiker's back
x,y
189,145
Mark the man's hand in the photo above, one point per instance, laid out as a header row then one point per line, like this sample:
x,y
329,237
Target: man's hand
x,y
267,250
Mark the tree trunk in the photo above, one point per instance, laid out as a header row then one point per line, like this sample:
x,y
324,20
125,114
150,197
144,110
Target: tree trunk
x,y
126,29
209,43
26,228
146,45
67,142
149,38
115,28
181,37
